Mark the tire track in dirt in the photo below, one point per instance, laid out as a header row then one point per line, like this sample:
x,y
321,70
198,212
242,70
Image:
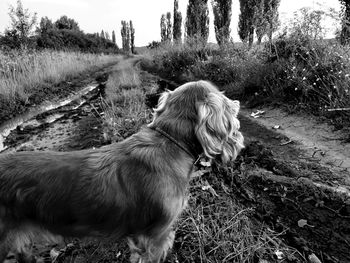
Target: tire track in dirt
x,y
285,186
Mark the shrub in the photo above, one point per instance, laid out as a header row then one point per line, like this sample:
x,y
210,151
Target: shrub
x,y
73,40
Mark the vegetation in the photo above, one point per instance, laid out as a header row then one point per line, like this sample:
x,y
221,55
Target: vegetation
x,y
63,34
177,33
267,21
298,70
246,20
258,17
222,20
345,31
128,36
124,106
23,72
197,21
166,27
132,38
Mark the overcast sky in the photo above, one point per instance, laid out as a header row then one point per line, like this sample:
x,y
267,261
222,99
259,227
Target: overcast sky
x,y
95,15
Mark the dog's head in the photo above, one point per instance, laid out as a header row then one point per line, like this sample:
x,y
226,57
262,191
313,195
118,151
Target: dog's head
x,y
199,108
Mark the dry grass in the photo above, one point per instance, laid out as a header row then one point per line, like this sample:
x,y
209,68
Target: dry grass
x,y
21,73
216,228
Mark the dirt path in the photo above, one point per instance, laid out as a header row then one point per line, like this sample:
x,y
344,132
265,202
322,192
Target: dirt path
x,y
294,179
286,183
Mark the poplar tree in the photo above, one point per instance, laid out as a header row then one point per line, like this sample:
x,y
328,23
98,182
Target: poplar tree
x,y
177,23
125,33
266,19
345,31
132,37
246,23
107,35
197,20
163,28
168,26
113,37
222,10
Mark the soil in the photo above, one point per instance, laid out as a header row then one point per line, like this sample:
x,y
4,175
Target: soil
x,y
286,183
293,175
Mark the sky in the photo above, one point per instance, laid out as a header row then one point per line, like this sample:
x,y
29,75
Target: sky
x,y
96,15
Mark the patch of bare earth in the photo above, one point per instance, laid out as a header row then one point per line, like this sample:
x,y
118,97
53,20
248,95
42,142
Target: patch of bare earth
x,y
295,173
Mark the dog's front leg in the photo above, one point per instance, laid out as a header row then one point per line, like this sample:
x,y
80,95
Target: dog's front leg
x,y
16,241
151,249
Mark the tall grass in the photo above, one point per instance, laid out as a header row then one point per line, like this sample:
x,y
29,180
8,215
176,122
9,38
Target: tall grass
x,y
23,72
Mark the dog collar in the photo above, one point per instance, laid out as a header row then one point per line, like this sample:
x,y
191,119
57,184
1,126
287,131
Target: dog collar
x,y
196,157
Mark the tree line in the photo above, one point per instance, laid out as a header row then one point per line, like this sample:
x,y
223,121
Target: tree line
x,y
62,34
257,18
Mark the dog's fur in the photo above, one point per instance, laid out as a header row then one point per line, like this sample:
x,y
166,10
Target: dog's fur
x,y
134,189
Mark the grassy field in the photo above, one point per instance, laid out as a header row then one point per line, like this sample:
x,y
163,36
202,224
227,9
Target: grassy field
x,y
28,78
22,73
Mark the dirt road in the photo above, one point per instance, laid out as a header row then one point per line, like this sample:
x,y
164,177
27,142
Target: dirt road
x,y
293,176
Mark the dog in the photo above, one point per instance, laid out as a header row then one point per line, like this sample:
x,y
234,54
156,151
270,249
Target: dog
x,y
134,189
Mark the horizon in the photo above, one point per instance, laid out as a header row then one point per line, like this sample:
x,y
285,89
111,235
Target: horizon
x,y
147,24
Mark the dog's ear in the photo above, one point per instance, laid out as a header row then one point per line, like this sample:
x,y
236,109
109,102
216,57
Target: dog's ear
x,y
162,104
218,127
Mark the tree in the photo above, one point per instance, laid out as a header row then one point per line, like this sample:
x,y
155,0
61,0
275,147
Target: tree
x,y
125,32
132,37
163,28
22,23
345,31
107,36
247,18
102,35
67,23
113,37
168,26
222,10
45,25
197,20
266,20
177,23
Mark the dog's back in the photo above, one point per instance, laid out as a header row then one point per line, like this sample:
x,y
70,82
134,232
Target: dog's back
x,y
103,192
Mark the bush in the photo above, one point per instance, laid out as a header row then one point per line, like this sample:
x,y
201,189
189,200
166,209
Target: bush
x,y
295,70
74,40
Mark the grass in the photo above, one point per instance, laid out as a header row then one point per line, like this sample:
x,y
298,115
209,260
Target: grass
x,y
216,228
294,72
22,73
124,106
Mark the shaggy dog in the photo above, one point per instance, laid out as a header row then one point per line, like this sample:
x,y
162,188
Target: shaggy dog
x,y
135,188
